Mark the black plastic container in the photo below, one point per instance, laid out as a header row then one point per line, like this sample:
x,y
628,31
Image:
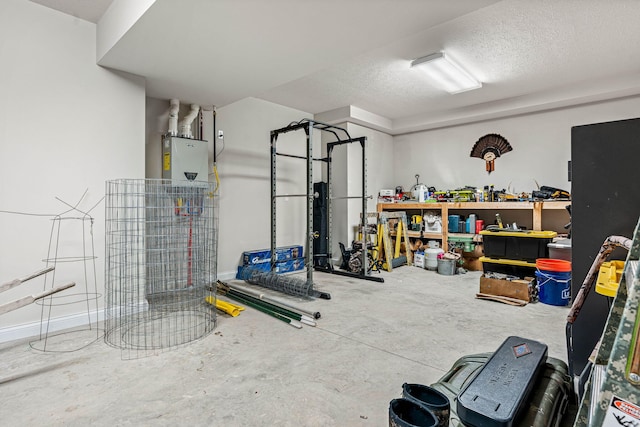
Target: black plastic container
x,y
522,246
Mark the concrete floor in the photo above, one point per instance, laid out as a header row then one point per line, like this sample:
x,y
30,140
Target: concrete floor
x,y
257,371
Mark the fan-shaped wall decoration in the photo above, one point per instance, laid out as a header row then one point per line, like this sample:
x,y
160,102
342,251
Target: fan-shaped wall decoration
x,y
490,147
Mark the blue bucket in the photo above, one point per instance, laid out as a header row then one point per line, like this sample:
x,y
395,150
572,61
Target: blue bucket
x,y
554,287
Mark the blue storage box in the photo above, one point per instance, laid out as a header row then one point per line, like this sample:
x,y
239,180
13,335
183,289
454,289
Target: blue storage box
x,y
286,266
282,253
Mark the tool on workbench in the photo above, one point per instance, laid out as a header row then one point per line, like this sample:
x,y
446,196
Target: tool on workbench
x,y
416,222
550,193
419,191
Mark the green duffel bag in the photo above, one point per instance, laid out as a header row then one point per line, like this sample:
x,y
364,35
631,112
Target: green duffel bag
x,y
549,397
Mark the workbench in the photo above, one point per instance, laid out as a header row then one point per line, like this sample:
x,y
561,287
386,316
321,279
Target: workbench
x,y
547,215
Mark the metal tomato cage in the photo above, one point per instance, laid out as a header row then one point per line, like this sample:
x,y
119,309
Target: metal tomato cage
x,y
161,244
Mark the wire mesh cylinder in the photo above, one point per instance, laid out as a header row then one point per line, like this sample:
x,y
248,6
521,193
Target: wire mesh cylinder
x,y
283,283
161,251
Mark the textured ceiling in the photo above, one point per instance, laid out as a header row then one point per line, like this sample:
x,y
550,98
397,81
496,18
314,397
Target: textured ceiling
x,y
518,49
319,56
217,52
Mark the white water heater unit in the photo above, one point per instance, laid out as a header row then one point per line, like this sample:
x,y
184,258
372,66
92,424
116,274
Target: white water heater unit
x,y
184,159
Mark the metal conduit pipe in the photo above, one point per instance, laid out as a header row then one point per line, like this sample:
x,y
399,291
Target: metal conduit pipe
x,y
314,314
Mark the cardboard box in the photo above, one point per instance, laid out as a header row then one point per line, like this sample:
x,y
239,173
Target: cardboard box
x,y
286,266
282,253
471,260
472,263
518,289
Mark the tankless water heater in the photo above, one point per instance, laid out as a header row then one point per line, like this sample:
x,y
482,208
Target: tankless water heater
x,y
184,159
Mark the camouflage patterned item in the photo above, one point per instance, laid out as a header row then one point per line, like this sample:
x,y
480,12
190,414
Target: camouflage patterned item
x,y
608,246
547,403
615,347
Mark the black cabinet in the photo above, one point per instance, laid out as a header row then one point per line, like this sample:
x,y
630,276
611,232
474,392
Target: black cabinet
x,y
605,172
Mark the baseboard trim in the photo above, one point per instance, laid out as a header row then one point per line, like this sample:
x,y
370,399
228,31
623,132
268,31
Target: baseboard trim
x,y
228,275
57,324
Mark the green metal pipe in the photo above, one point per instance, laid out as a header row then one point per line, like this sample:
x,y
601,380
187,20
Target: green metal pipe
x,y
265,310
311,314
281,310
303,318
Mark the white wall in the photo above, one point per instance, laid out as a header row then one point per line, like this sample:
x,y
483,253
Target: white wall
x,y
380,151
66,126
117,20
541,148
245,193
339,187
347,180
156,125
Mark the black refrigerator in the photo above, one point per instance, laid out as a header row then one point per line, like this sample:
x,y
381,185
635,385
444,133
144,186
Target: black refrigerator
x,y
605,173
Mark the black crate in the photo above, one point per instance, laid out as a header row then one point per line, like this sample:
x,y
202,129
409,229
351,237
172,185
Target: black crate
x,y
523,246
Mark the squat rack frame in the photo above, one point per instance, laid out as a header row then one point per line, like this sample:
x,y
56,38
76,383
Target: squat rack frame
x,y
308,125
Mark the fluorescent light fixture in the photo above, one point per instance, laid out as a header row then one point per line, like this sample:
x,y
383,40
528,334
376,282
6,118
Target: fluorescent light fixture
x,y
448,75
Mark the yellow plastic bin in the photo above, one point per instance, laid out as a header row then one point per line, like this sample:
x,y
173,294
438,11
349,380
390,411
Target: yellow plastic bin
x,y
609,278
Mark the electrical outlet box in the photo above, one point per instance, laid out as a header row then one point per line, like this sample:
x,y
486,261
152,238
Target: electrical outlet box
x,y
185,159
